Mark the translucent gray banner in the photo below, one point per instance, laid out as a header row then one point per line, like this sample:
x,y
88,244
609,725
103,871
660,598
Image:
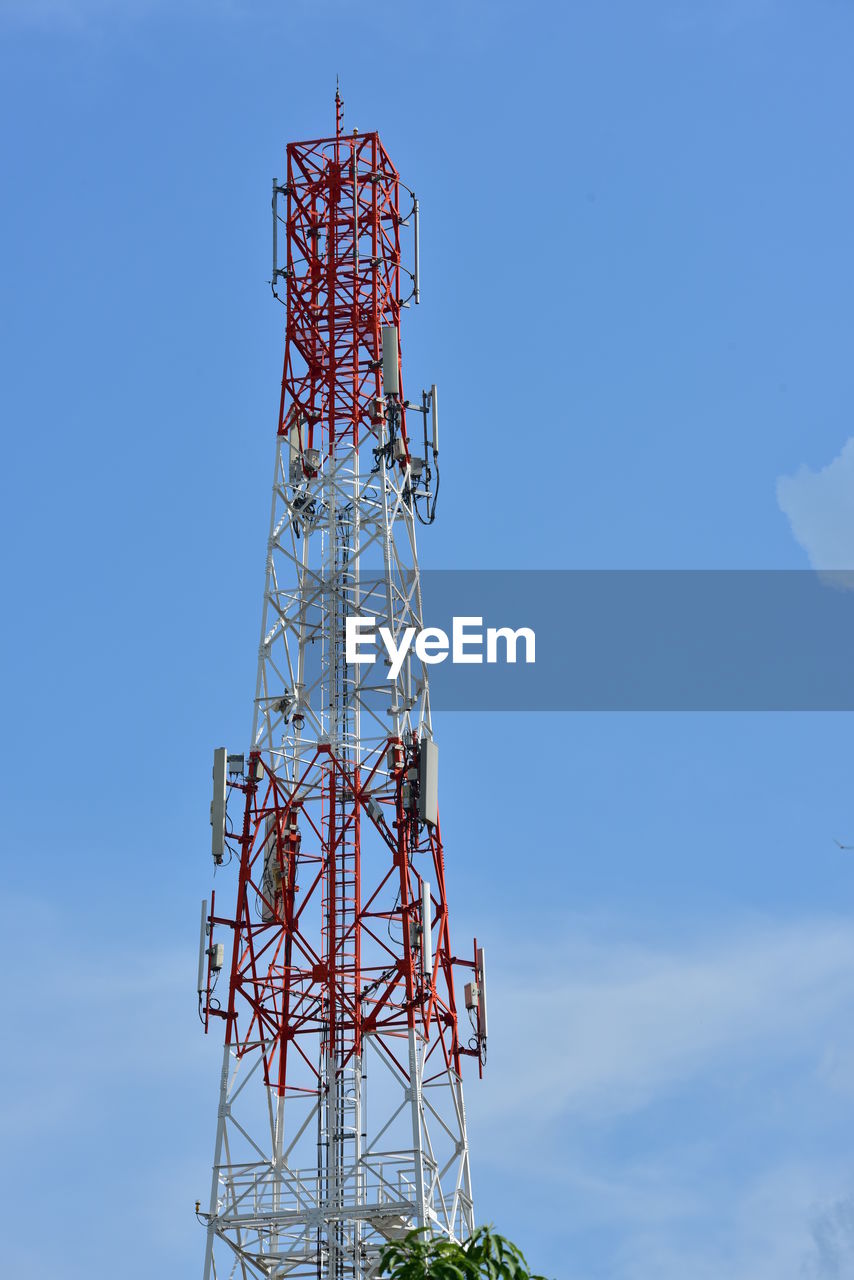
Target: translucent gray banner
x,y
648,640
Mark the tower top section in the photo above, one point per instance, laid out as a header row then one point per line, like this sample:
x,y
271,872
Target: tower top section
x,y
344,284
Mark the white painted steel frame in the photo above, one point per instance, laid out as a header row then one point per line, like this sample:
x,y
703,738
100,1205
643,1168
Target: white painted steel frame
x,y
311,1190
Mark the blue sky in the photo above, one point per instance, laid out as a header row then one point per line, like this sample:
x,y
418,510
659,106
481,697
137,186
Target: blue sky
x,y
637,283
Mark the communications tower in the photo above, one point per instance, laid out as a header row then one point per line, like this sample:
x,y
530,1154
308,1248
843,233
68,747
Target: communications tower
x,y
341,1123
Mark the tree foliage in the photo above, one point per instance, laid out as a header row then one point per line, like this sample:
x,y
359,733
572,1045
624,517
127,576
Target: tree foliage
x,y
484,1256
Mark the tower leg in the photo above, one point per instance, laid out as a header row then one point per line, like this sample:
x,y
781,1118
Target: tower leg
x,y
220,1135
416,1107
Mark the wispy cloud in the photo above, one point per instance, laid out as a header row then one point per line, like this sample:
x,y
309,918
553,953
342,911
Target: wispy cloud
x,y
604,1055
91,1019
763,1233
600,1028
832,1256
820,508
724,1049
100,1093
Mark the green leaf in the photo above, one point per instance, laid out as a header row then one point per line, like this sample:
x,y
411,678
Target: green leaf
x,y
484,1256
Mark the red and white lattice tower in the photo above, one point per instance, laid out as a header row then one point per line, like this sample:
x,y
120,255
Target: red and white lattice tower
x,y
341,1122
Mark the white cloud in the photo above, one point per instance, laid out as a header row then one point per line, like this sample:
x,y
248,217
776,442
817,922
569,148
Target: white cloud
x,y
683,1100
820,508
589,1034
123,1016
599,1028
765,1234
832,1256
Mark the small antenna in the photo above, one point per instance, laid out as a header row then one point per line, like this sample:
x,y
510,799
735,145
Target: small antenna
x,y
339,110
416,279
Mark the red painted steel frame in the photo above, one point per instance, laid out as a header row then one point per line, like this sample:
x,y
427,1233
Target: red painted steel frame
x,y
341,192
291,983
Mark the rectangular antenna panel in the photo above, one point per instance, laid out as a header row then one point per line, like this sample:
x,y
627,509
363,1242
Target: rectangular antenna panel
x,y
203,938
417,280
272,883
428,776
391,379
434,404
481,987
427,929
218,804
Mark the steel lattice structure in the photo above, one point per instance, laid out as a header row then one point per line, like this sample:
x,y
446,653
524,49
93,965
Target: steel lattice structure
x,y
338,954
